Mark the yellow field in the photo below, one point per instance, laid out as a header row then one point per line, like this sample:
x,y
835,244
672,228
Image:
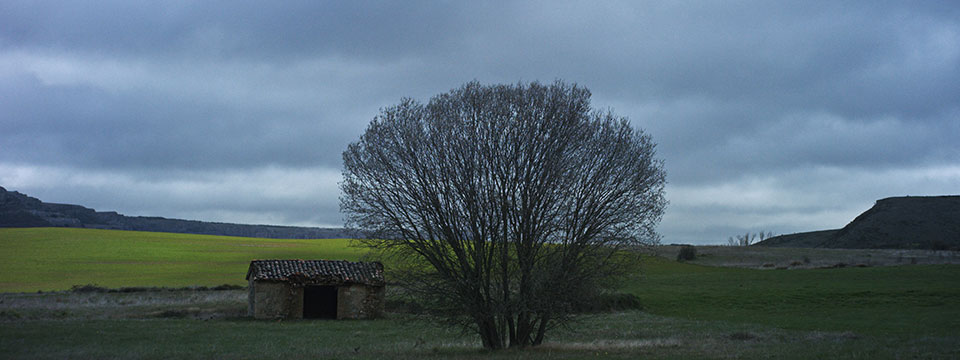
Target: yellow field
x,y
45,259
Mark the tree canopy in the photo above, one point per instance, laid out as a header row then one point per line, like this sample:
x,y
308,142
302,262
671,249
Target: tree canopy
x,y
510,205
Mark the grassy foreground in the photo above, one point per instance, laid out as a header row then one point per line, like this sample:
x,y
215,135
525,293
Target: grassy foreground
x,y
624,335
689,310
190,324
186,324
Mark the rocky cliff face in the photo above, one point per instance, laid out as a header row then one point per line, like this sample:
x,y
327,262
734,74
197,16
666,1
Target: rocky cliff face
x,y
20,210
912,222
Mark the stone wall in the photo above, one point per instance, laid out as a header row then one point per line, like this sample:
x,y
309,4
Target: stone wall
x,y
271,300
360,302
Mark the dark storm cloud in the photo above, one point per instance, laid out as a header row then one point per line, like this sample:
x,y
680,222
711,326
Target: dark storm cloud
x,y
790,57
185,103
276,31
79,125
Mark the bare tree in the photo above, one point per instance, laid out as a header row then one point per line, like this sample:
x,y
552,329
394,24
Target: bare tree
x,y
748,238
507,205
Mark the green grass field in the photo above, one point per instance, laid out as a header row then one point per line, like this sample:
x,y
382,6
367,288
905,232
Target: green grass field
x,y
58,258
689,310
909,299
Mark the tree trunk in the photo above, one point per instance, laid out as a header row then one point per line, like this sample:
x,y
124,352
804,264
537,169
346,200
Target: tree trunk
x,y
523,331
542,329
489,335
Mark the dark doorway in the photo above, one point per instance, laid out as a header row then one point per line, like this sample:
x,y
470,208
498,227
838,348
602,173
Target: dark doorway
x,y
320,302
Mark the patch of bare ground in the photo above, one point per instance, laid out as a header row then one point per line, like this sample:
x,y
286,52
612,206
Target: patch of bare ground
x,y
196,304
777,258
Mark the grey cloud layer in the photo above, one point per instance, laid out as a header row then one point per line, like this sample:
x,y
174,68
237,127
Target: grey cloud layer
x,y
732,92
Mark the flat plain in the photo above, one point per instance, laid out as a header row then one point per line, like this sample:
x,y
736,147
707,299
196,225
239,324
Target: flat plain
x,y
58,258
689,310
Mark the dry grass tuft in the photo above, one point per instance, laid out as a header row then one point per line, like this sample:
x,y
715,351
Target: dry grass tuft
x,y
601,345
832,336
742,336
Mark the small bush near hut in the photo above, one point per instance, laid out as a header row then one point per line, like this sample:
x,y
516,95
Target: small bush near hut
x,y
687,253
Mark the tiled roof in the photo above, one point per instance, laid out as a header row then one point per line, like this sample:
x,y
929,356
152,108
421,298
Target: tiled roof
x,y
332,272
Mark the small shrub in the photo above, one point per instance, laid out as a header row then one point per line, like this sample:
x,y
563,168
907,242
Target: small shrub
x,y
939,245
228,287
768,265
797,263
687,253
133,289
87,288
806,259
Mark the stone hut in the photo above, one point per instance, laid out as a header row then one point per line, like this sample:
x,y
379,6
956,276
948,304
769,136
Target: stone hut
x,y
326,289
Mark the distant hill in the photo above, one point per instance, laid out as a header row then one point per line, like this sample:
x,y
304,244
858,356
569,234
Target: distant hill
x,y
912,222
19,210
806,239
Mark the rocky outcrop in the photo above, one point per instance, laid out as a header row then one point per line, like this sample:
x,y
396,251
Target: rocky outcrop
x,y
911,222
20,210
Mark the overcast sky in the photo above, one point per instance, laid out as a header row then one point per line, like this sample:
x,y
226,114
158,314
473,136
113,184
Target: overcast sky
x,y
770,116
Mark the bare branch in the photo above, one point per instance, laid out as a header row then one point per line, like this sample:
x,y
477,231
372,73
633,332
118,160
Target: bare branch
x,y
508,204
